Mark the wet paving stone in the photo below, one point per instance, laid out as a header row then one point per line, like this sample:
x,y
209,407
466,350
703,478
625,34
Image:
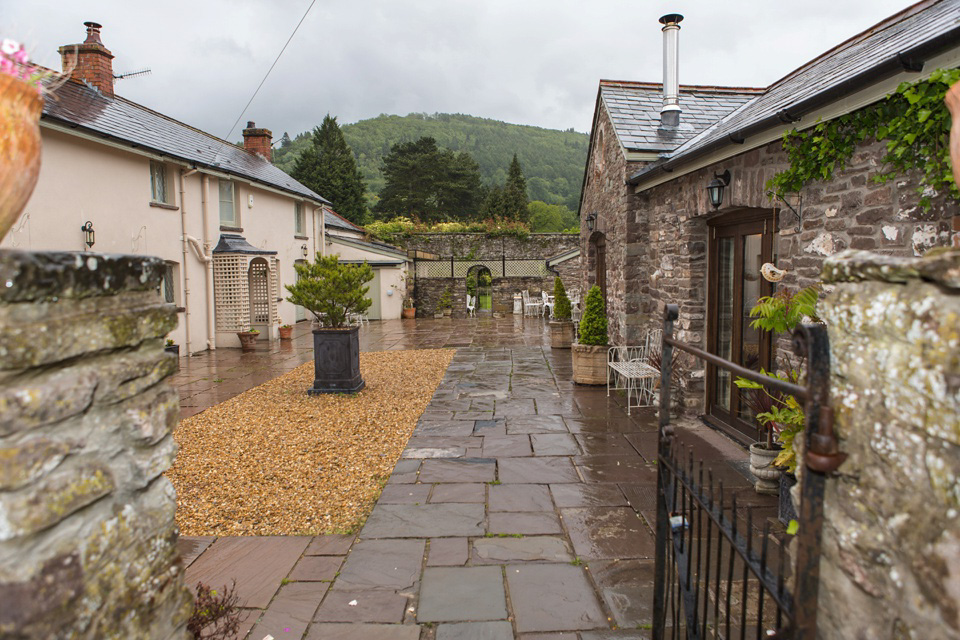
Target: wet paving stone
x,y
554,444
473,493
475,631
433,452
519,497
448,552
536,424
514,407
330,545
462,594
506,446
362,631
391,565
608,533
607,424
605,444
631,469
497,550
447,428
626,586
405,472
458,470
642,497
537,470
405,494
424,521
587,495
367,606
190,547
291,610
315,569
553,597
539,522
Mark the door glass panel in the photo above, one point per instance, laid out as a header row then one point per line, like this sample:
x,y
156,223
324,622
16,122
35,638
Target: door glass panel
x,y
750,341
725,268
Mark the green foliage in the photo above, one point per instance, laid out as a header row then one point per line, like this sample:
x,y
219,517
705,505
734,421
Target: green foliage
x,y
914,122
561,303
515,199
216,616
330,290
552,218
484,279
328,167
783,311
429,184
552,160
400,226
593,322
446,301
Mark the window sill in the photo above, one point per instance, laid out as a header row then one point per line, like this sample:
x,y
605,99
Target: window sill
x,y
164,205
296,237
234,229
181,309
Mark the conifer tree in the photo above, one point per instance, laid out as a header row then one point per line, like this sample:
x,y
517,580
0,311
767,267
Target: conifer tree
x,y
328,167
515,193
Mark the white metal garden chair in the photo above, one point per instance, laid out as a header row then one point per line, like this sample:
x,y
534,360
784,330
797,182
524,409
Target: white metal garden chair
x,y
629,368
471,305
531,306
547,305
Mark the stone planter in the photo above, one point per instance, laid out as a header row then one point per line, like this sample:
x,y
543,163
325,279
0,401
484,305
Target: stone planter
x,y
248,339
286,333
447,312
561,334
787,510
589,363
336,361
20,107
762,468
409,313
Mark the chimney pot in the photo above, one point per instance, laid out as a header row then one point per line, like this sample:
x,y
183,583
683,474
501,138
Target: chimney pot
x,y
90,61
670,111
93,32
250,124
258,141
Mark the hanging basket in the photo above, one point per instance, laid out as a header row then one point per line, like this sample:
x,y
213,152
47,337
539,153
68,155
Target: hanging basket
x,y
20,108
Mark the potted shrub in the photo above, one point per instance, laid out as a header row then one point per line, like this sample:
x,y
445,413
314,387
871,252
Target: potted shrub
x,y
172,347
409,311
446,302
590,350
286,331
331,292
248,339
561,327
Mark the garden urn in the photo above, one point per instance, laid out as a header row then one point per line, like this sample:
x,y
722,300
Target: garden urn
x,y
248,339
20,107
763,469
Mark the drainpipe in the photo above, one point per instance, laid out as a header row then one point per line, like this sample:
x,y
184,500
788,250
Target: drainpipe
x,y
183,267
323,232
211,330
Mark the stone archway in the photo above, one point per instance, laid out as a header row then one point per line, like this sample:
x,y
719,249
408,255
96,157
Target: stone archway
x,y
479,283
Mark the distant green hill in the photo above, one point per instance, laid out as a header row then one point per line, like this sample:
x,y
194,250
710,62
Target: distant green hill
x,y
552,160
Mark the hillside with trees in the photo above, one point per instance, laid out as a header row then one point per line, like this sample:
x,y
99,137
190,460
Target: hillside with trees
x,y
552,160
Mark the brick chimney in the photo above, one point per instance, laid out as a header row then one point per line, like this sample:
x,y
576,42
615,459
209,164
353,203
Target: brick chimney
x,y
258,141
94,62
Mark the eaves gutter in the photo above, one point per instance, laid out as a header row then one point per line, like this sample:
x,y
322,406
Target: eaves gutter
x,y
72,128
892,65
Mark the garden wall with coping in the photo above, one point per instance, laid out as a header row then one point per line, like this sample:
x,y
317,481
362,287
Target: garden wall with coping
x,y
87,532
891,537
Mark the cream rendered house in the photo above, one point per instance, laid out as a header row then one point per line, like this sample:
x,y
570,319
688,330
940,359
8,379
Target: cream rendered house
x,y
229,224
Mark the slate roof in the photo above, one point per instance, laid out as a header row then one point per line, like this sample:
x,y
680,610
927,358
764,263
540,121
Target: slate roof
x,y
334,219
634,109
234,243
911,36
369,244
80,106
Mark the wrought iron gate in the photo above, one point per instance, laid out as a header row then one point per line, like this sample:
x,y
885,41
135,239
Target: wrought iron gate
x,y
714,576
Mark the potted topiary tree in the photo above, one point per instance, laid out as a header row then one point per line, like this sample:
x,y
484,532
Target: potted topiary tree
x,y
331,291
590,350
446,302
561,327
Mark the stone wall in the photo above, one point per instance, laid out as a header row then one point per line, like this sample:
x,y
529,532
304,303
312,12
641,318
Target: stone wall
x,y
891,539
87,534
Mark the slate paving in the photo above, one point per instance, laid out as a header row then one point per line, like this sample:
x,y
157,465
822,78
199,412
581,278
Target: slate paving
x,y
521,508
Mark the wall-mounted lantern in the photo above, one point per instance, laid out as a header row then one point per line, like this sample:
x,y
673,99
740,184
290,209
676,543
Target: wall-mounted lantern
x,y
89,235
716,186
304,250
591,221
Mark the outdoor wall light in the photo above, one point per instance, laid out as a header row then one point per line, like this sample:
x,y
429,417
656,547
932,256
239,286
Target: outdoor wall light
x,y
303,250
591,221
89,235
716,186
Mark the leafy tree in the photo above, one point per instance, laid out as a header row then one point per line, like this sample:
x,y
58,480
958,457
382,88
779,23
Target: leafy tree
x,y
561,303
551,218
593,322
328,167
330,290
515,193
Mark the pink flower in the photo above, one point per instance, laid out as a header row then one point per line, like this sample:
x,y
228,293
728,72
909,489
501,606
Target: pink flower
x,y
10,47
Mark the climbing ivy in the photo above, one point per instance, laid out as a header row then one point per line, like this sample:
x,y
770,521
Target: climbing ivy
x,y
913,121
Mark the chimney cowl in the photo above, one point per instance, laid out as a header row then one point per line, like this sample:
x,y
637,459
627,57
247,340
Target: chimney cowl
x,y
670,111
93,33
90,61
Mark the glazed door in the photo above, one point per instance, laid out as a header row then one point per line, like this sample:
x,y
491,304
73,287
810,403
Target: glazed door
x,y
737,253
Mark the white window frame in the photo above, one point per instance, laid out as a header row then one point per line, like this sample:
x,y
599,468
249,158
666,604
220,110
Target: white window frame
x,y
234,220
299,220
157,168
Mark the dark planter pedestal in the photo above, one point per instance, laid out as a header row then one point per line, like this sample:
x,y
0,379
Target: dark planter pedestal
x,y
787,511
336,361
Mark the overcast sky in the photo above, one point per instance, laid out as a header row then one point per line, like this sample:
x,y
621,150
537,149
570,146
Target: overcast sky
x,y
531,62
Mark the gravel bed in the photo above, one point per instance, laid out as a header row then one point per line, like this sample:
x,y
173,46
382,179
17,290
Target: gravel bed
x,y
275,461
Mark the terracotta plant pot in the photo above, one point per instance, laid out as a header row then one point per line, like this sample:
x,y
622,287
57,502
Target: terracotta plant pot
x,y
409,313
762,468
561,334
286,333
248,339
589,363
20,108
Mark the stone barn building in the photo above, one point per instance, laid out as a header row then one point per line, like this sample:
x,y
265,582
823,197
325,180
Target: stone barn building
x,y
650,235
